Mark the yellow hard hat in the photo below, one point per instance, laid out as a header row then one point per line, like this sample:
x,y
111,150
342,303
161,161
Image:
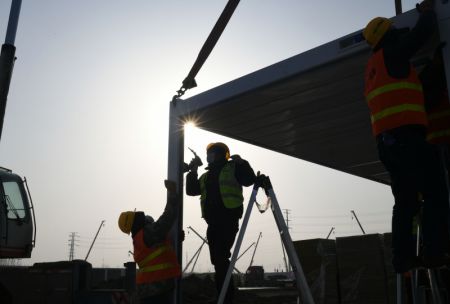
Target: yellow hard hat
x,y
222,145
126,220
376,29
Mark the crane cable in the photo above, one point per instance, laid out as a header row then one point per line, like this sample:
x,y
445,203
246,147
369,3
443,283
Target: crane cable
x,y
189,82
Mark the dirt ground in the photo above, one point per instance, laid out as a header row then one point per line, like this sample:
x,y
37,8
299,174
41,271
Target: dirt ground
x,y
201,290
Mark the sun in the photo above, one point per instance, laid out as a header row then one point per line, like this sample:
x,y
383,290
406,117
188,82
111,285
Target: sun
x,y
189,125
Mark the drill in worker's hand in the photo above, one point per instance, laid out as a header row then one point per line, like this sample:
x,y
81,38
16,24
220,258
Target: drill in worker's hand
x,y
193,164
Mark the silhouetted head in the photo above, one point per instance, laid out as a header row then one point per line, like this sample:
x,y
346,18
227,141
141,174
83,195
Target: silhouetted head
x,y
217,152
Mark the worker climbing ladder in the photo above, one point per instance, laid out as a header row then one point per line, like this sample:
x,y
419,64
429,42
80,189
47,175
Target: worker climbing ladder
x,y
302,286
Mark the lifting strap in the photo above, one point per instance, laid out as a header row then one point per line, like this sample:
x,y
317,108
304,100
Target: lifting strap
x,y
219,27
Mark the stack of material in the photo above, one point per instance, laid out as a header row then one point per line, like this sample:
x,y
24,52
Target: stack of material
x,y
391,278
318,259
362,277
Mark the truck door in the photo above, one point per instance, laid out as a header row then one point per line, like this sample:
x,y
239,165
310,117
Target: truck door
x,y
3,220
17,225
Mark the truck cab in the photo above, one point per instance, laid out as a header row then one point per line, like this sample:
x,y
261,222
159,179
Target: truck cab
x,y
17,221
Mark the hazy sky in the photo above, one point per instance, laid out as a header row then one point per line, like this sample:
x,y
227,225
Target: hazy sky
x,y
87,117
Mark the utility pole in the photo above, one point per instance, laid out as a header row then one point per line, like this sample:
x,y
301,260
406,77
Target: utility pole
x,y
72,244
360,226
92,244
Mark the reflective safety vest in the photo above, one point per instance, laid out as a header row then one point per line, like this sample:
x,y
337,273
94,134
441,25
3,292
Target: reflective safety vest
x,y
230,189
156,263
439,122
392,102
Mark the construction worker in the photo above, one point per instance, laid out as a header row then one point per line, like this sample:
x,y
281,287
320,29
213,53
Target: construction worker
x,y
153,252
437,103
220,190
396,102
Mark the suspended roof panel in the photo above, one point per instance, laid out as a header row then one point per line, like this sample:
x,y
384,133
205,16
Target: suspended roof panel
x,y
310,106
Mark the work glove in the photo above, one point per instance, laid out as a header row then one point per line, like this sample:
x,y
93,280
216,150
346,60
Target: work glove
x,y
193,168
237,159
261,180
171,186
425,5
185,168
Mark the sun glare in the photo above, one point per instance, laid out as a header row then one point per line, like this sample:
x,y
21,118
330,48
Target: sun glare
x,y
189,125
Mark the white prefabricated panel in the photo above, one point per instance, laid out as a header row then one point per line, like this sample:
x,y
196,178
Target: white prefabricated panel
x,y
443,13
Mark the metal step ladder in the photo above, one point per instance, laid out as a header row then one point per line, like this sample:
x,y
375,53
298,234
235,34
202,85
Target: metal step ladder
x,y
418,293
302,286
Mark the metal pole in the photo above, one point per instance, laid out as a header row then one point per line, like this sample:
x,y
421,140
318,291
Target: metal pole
x,y
284,256
415,272
193,257
360,226
226,282
93,241
245,251
13,22
435,292
175,173
398,7
328,236
206,241
399,289
301,282
193,230
7,58
196,259
254,251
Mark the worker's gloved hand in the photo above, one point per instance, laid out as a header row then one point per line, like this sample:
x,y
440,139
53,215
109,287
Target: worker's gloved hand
x,y
185,168
260,179
171,186
425,5
237,159
193,167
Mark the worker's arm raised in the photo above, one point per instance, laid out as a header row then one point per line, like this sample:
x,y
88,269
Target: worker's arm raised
x,y
156,232
411,42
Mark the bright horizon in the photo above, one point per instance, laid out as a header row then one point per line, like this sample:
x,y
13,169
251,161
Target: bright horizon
x,y
87,118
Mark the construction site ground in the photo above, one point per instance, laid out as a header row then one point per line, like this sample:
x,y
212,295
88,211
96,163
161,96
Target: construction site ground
x,y
201,289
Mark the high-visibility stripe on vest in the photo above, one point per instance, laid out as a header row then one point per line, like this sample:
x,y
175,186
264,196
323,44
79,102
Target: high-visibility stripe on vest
x,y
392,102
438,131
156,263
230,189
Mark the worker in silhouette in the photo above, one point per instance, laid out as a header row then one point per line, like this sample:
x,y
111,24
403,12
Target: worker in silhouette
x,y
153,252
396,102
221,199
437,103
